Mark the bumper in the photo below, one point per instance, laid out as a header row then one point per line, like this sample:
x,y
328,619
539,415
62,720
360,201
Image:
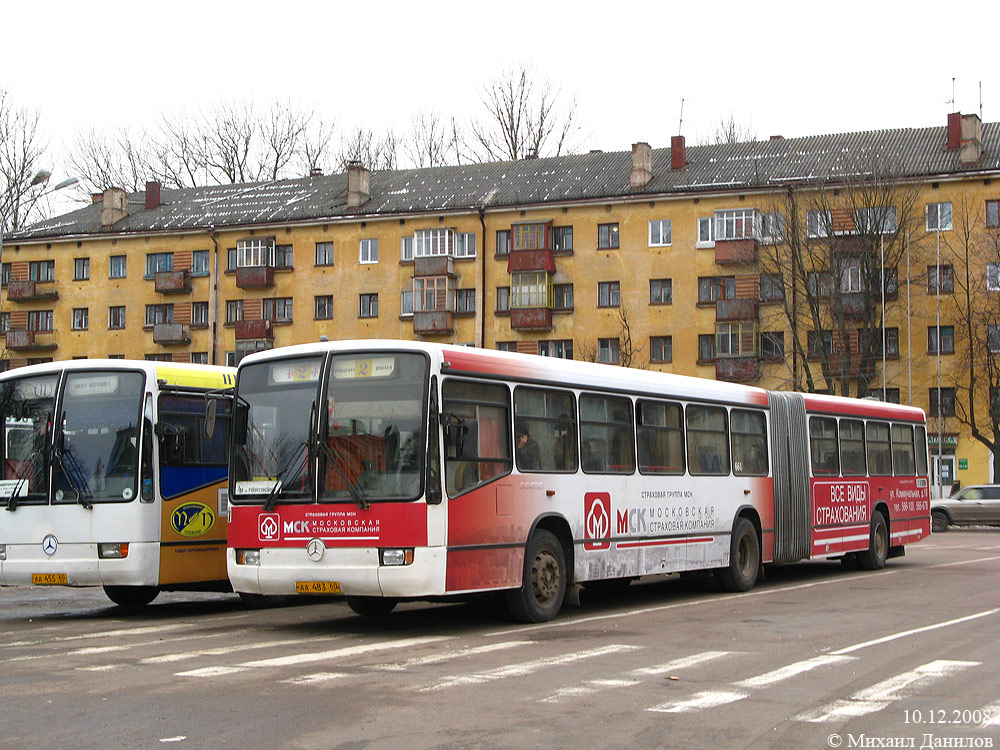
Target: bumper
x,y
81,565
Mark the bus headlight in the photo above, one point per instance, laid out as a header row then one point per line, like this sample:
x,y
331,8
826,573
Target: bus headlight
x,y
248,557
112,551
3,552
397,556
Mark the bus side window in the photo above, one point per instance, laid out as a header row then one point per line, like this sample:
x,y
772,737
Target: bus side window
x,y
708,440
607,438
852,447
146,468
476,421
660,437
920,443
823,446
546,420
902,449
879,452
749,433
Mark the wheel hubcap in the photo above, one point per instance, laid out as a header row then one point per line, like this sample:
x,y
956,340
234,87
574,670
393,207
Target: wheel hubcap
x,y
545,577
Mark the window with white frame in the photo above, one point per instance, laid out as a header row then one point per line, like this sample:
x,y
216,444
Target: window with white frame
x,y
938,217
429,242
530,289
433,293
659,233
993,277
406,303
850,278
406,247
706,232
875,220
465,245
819,223
736,224
255,252
368,251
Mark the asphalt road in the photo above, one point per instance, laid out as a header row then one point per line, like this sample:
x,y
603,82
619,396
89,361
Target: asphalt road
x,y
816,656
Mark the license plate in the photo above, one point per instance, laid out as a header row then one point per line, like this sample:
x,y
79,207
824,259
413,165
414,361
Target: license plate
x,y
49,579
317,587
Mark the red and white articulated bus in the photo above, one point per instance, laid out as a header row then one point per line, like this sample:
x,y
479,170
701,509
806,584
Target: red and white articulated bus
x,y
393,470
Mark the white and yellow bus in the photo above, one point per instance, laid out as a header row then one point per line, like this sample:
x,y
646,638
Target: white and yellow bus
x,y
114,474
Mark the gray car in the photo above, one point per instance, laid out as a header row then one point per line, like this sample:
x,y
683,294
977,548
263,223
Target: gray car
x,y
975,505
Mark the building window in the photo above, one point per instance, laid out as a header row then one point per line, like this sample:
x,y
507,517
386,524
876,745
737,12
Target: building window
x,y
283,256
735,339
993,277
324,253
772,345
156,314
406,303
562,296
607,236
661,291
889,396
661,348
563,348
199,358
506,346
940,279
946,338
736,224
820,342
42,270
368,306
818,224
819,283
4,327
278,310
562,238
323,307
406,248
772,228
159,357
713,288
157,262
116,318
81,269
875,220
5,280
531,289
947,402
234,310
993,213
254,253
609,351
993,338
706,232
81,318
608,294
432,242
199,262
465,300
659,233
891,278
890,336
772,287
502,247
465,245
40,320
199,313
850,278
706,347
529,236
503,299
432,293
230,258
368,251
938,217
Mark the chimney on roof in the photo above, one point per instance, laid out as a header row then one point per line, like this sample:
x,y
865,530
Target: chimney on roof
x,y
358,184
316,172
678,154
152,194
777,137
965,133
954,131
115,207
96,197
642,165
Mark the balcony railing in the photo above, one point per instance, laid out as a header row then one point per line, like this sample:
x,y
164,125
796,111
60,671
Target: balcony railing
x,y
21,339
434,265
531,260
736,309
255,277
736,251
171,333
531,318
254,329
737,369
432,322
173,282
25,291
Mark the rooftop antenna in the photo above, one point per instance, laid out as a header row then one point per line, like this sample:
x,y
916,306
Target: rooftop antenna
x,y
980,101
680,122
953,93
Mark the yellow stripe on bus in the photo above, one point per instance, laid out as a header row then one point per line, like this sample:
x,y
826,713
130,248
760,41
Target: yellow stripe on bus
x,y
195,376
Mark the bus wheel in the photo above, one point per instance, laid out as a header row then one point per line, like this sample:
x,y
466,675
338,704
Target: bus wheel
x,y
371,606
131,596
939,521
874,557
543,585
744,559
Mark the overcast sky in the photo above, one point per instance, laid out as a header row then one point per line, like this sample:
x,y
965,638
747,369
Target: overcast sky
x,y
789,68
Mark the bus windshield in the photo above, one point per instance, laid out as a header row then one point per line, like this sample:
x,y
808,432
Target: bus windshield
x,y
273,458
373,432
26,405
97,452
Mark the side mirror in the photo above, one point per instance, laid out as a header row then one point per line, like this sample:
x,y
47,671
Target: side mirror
x,y
210,412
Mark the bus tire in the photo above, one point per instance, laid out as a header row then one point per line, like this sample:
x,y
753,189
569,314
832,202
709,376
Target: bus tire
x,y
371,606
744,559
874,557
543,584
131,596
939,521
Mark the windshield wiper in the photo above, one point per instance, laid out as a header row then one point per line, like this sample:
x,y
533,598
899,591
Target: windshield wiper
x,y
335,458
81,493
272,496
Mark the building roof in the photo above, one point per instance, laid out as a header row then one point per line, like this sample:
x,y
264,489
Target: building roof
x,y
911,153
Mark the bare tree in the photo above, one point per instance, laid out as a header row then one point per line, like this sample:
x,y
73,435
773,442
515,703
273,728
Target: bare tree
x,y
363,146
524,116
21,151
628,350
729,130
103,161
429,140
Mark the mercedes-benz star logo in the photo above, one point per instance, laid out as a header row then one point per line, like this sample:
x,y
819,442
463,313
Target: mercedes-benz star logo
x,y
49,545
316,549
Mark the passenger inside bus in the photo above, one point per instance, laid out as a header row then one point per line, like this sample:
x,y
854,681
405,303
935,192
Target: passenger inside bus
x,y
527,451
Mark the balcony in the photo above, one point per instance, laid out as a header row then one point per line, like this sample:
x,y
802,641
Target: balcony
x,y
23,340
25,291
853,305
255,277
173,282
736,309
247,330
737,369
736,251
171,333
434,265
531,318
434,322
531,260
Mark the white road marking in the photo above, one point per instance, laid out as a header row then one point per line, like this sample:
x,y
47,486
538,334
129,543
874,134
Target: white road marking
x,y
526,668
682,663
420,661
791,670
881,694
315,679
223,650
699,701
101,634
905,633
